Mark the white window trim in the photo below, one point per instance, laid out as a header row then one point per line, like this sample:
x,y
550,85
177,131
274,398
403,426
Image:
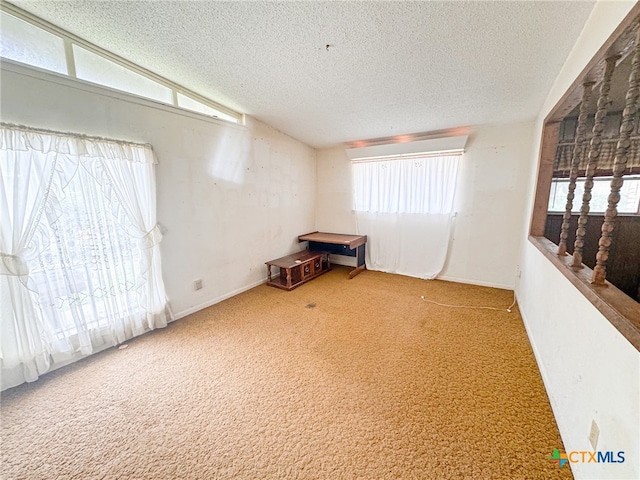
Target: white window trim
x,y
71,39
86,86
593,209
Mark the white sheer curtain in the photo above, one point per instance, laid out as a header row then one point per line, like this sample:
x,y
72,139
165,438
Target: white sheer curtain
x,y
405,207
80,262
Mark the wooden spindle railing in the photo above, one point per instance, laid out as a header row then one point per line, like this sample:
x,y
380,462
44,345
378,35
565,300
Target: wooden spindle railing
x,y
595,147
578,152
619,166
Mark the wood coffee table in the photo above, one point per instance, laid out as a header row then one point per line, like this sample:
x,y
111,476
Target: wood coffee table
x,y
298,268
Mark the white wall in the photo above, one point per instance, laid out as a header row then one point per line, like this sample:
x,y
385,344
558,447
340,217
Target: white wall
x,y
490,201
230,197
589,369
334,200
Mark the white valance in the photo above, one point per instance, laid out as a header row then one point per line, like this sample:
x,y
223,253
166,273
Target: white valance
x,y
20,138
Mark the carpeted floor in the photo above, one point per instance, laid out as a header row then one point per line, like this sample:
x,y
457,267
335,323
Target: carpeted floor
x,y
339,379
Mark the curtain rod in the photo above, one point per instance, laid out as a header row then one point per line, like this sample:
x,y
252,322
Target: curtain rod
x,y
12,126
408,156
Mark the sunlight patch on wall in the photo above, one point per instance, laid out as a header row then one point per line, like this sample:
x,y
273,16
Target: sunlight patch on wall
x,y
230,158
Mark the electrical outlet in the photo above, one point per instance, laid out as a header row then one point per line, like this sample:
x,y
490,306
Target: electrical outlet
x,y
197,284
594,434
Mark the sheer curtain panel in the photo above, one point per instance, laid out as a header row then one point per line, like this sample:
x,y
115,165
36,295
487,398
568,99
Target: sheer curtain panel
x,y
80,265
405,207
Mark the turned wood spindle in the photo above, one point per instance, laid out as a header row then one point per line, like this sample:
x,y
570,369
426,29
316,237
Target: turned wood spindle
x,y
578,152
595,146
619,166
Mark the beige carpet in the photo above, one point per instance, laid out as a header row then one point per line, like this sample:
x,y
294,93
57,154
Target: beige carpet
x,y
339,379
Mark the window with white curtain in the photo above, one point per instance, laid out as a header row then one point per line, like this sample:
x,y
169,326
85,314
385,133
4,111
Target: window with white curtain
x,y
406,206
421,184
80,265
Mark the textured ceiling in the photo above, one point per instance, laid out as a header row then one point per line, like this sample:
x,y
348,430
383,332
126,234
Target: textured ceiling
x,y
390,67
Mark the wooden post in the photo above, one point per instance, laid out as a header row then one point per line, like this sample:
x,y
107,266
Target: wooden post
x,y
594,153
619,166
578,151
548,148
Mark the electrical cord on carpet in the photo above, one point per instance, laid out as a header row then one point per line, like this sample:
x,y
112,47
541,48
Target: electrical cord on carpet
x,y
469,306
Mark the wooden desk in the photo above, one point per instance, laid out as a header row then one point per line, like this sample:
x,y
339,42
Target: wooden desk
x,y
339,244
298,268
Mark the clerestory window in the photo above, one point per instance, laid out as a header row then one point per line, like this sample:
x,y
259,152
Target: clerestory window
x,y
32,41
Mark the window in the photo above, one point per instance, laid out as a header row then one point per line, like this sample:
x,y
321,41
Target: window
x,y
33,41
405,206
629,195
416,185
191,104
89,264
79,248
97,69
29,44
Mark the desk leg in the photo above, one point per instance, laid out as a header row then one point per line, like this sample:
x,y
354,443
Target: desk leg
x,y
268,273
361,266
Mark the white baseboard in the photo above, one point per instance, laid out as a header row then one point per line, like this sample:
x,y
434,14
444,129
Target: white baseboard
x,y
335,260
545,380
475,282
208,303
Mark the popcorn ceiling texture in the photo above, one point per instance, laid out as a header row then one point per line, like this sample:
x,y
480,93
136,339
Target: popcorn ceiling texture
x,y
337,379
391,67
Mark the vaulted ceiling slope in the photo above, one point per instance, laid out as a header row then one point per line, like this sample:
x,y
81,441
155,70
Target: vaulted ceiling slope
x,y
330,72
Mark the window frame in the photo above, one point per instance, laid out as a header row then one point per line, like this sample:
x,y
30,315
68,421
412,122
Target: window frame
x,y
595,209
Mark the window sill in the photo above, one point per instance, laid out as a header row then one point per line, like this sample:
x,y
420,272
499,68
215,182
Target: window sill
x,y
594,214
621,310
